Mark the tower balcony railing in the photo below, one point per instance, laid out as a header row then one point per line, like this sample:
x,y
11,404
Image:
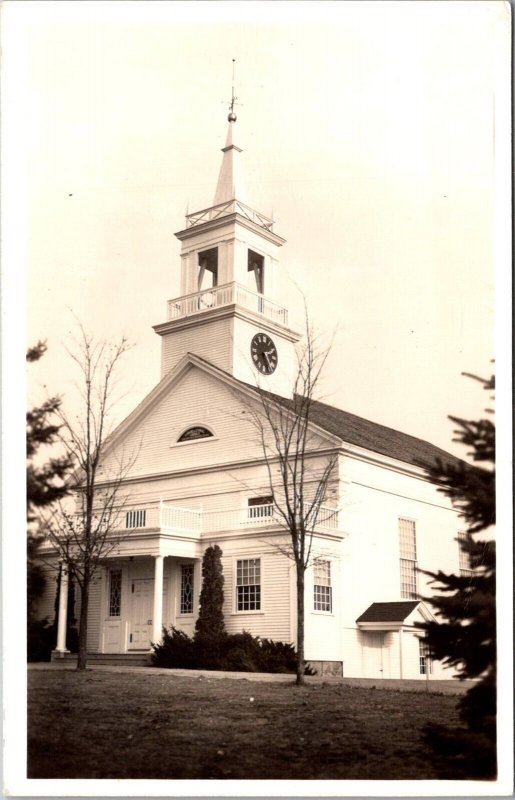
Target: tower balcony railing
x,y
228,294
195,522
224,210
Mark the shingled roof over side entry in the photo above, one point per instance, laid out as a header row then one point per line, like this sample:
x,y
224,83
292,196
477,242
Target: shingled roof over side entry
x,y
388,612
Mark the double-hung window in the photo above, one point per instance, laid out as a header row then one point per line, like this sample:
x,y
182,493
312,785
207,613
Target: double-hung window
x,y
408,558
424,658
322,589
466,570
248,584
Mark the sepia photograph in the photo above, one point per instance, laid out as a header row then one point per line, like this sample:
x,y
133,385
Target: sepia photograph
x,y
256,271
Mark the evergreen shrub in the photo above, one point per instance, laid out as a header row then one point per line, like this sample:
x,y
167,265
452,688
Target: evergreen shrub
x,y
175,651
238,652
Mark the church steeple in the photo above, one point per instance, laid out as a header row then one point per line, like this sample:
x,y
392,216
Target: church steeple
x,y
230,185
228,311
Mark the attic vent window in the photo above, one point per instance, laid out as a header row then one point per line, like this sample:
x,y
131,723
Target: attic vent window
x,y
194,433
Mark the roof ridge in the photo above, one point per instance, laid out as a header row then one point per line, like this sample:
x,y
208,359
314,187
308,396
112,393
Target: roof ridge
x,y
384,427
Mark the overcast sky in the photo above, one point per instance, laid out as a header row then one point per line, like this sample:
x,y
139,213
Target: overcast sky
x,y
367,128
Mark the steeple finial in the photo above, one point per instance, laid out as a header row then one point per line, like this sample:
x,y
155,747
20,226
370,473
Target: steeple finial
x,y
232,116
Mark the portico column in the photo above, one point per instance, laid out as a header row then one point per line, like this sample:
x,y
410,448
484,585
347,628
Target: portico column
x,y
60,648
400,653
157,622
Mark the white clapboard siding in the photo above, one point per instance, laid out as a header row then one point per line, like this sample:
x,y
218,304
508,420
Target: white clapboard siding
x,y
212,340
197,399
323,629
274,620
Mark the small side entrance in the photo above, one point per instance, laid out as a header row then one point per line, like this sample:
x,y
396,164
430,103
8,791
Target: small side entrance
x,y
376,655
142,606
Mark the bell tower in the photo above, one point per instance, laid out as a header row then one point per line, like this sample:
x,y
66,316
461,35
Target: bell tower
x,y
227,312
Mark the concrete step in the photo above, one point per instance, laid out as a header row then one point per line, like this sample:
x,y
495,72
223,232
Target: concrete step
x,y
111,659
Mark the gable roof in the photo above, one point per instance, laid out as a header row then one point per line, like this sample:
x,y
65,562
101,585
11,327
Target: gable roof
x,y
372,436
389,612
348,427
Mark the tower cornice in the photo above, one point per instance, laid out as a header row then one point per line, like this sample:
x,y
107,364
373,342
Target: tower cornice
x,y
228,312
229,219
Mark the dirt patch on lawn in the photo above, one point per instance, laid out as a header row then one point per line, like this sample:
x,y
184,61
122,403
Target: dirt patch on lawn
x,y
97,724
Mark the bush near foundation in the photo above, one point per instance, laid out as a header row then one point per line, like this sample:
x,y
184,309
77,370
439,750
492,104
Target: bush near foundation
x,y
40,640
239,652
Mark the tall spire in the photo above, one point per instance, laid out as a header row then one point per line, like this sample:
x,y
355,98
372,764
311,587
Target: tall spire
x,y
229,186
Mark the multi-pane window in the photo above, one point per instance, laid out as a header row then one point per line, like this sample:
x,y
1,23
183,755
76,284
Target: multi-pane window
x,y
248,584
135,518
424,658
187,589
115,592
408,558
323,600
465,565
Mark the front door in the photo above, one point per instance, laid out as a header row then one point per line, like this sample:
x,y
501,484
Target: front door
x,y
142,603
142,609
374,667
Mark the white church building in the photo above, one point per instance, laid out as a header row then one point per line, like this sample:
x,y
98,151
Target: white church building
x,y
200,479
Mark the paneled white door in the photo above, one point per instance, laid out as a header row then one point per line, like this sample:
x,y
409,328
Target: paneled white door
x,y
142,609
374,667
142,603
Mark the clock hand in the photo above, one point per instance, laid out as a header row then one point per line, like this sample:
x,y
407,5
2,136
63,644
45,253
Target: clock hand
x,y
267,359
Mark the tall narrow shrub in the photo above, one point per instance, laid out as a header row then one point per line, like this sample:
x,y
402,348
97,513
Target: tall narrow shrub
x,y
210,631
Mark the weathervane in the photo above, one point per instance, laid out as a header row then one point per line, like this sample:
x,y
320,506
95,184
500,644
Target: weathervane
x,y
232,116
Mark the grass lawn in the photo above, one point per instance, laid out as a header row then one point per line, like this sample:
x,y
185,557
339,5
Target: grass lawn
x,y
118,724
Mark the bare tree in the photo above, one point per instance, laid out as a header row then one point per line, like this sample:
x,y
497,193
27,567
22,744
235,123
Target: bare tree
x,y
291,447
85,536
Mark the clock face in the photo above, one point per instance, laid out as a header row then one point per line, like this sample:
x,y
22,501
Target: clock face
x,y
264,353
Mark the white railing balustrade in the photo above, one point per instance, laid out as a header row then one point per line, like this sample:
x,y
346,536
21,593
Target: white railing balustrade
x,y
225,295
257,514
194,521
180,519
224,210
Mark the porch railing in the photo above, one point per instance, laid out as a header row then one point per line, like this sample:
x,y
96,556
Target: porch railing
x,y
195,521
225,295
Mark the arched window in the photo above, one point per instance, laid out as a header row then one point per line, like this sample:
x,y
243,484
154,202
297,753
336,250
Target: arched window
x,y
197,432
